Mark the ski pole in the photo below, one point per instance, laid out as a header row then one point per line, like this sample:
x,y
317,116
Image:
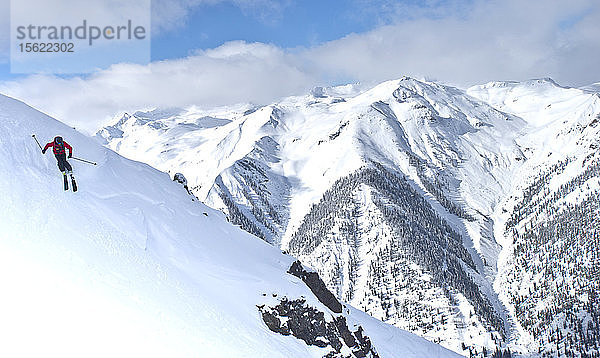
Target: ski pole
x,y
38,143
83,160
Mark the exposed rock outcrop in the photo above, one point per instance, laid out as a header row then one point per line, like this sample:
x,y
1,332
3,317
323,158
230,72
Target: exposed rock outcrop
x,y
317,286
297,318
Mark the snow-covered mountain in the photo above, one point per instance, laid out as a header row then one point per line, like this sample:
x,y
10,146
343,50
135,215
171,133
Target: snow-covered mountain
x,y
133,265
406,197
550,224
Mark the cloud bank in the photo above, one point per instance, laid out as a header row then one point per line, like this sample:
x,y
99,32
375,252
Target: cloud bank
x,y
446,41
233,73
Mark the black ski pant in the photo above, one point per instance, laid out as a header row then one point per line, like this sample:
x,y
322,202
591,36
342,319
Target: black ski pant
x,y
62,163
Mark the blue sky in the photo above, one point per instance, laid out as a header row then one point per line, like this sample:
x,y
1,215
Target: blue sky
x,y
292,24
301,23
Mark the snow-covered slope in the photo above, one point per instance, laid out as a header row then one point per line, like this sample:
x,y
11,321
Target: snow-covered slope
x,y
130,265
312,174
267,168
549,225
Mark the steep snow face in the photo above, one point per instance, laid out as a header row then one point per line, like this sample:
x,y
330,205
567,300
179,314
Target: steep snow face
x,y
312,141
130,265
561,122
268,167
379,241
548,225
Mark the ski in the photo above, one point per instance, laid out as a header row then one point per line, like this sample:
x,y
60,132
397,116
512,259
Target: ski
x,y
73,183
66,182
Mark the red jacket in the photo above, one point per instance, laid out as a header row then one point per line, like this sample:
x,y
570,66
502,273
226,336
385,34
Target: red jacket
x,y
59,149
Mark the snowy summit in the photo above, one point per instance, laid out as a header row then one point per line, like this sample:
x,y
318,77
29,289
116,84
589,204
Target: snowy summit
x,y
133,265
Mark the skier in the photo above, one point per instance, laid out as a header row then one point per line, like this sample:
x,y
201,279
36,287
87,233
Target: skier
x,y
59,147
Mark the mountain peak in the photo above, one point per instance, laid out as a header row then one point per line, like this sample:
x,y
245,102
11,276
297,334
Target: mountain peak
x,y
133,261
536,82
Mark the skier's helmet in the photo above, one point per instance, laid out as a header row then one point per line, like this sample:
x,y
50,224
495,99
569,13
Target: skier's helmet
x,y
58,140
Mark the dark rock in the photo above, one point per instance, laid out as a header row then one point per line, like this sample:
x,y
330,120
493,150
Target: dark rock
x,y
342,327
180,178
364,343
317,286
272,322
308,324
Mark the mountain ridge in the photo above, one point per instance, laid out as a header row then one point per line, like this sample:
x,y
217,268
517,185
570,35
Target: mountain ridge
x,y
132,265
465,152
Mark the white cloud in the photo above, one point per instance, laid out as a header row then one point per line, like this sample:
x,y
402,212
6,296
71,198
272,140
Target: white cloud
x,y
235,72
508,40
488,41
